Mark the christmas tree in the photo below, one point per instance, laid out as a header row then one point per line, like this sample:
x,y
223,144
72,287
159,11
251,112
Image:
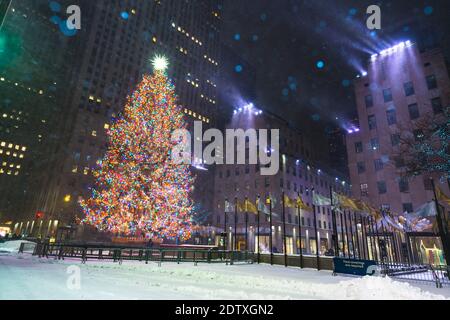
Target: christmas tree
x,y
139,190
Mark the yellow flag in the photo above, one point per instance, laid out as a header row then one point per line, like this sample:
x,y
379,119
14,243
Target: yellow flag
x,y
250,206
348,203
441,196
247,206
288,202
302,205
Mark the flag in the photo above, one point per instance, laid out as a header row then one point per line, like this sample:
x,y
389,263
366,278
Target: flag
x,y
426,210
441,196
300,204
390,222
247,206
250,206
288,202
270,199
320,200
345,202
228,206
261,206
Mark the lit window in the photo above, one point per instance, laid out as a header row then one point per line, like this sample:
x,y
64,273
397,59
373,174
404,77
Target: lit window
x,y
21,156
154,39
86,171
106,126
67,198
24,148
14,155
16,173
74,169
10,145
18,166
91,98
17,147
94,133
4,164
3,143
1,151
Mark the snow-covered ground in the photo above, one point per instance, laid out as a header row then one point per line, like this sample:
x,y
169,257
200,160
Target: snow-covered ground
x,y
23,276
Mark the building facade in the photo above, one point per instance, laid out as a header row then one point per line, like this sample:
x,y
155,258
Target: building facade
x,y
36,60
402,86
299,174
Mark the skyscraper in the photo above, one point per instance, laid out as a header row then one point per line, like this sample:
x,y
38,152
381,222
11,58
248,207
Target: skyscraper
x,y
123,37
403,85
35,76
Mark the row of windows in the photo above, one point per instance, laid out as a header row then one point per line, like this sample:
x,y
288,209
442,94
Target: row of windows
x,y
413,110
196,115
374,143
408,88
12,146
252,219
288,185
403,186
9,172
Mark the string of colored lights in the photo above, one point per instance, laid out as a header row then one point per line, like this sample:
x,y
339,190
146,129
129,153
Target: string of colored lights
x,y
138,189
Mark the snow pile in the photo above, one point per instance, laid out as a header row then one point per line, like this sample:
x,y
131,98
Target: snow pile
x,y
12,246
379,288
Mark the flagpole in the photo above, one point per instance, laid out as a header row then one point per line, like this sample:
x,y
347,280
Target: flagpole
x,y
225,241
257,232
377,239
346,232
442,234
284,231
342,234
372,237
365,246
270,232
317,236
300,232
351,234
357,234
246,225
333,221
235,224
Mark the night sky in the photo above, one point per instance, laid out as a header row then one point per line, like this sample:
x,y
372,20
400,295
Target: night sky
x,y
306,53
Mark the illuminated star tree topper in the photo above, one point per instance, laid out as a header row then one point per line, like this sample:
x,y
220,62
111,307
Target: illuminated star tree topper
x,y
160,63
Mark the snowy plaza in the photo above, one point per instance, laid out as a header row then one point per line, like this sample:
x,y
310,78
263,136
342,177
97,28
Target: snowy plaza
x,y
23,276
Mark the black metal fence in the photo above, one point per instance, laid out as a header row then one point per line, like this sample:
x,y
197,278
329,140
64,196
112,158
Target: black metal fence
x,y
119,254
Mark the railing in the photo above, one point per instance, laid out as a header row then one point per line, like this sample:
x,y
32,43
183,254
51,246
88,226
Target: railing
x,y
27,247
439,275
159,255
